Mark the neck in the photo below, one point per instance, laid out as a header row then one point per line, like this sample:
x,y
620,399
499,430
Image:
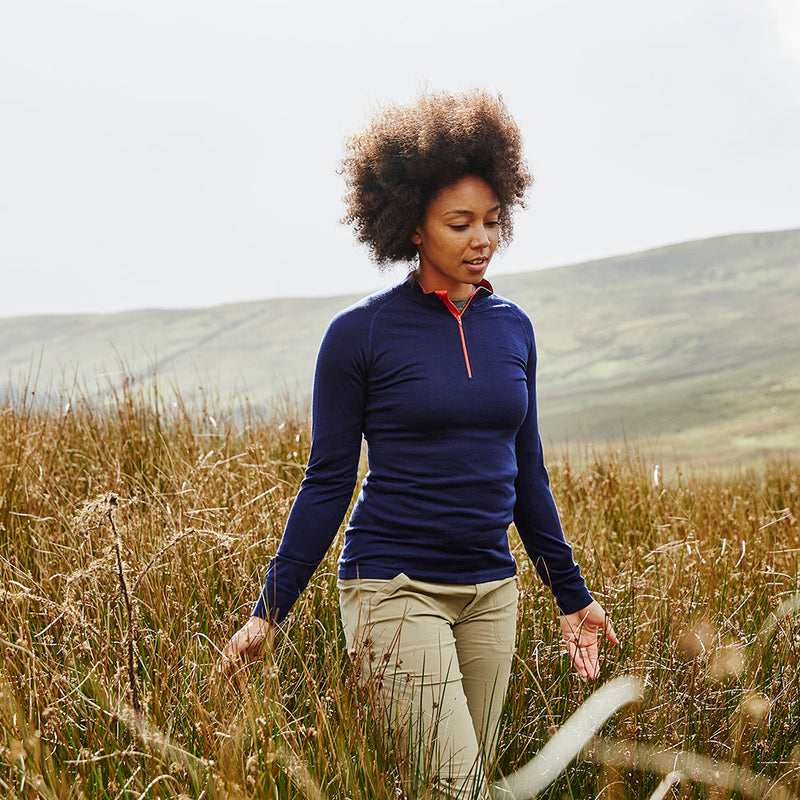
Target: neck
x,y
465,290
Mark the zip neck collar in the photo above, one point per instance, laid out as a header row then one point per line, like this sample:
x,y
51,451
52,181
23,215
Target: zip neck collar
x,y
437,299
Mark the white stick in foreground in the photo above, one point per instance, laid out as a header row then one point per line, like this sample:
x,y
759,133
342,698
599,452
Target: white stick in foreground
x,y
568,740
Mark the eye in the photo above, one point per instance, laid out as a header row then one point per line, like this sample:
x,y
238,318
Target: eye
x,y
494,223
459,227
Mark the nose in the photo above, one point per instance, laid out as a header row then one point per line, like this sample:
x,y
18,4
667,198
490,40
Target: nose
x,y
481,239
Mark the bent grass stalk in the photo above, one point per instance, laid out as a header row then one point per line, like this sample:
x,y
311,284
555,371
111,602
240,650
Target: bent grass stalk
x,y
670,779
690,767
567,742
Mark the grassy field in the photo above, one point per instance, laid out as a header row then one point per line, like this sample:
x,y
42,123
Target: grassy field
x,y
133,537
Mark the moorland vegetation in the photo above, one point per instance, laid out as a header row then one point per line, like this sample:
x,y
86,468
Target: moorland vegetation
x,y
134,532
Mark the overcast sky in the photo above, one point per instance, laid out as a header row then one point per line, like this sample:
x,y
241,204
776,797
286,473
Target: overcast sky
x,y
173,153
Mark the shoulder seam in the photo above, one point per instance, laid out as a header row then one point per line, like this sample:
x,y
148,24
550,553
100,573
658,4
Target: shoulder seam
x,y
522,318
389,299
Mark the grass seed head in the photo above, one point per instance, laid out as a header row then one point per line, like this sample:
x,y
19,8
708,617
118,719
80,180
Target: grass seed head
x,y
727,663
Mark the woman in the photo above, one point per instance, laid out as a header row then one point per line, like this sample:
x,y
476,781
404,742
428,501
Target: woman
x,y
438,374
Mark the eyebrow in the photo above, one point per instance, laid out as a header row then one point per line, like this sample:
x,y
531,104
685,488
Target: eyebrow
x,y
469,211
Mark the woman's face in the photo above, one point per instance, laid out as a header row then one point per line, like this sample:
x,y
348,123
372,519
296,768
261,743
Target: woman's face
x,y
458,237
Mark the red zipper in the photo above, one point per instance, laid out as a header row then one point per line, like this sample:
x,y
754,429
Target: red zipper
x,y
442,294
464,344
457,314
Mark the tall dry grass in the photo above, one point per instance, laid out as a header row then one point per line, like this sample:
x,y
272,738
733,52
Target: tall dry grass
x,y
134,531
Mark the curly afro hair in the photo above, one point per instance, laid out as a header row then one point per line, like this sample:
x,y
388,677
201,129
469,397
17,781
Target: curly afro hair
x,y
407,154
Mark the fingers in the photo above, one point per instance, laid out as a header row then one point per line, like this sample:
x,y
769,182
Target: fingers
x,y
590,621
581,630
232,668
229,662
583,652
245,645
609,631
584,659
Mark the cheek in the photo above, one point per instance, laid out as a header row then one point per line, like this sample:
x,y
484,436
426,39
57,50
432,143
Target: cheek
x,y
445,244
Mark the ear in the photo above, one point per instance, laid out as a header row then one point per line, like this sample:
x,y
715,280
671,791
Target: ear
x,y
416,238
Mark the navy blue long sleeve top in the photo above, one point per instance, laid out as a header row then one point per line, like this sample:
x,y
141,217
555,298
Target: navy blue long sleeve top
x,y
447,403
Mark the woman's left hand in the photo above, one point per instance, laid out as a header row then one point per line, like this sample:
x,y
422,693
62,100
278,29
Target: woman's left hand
x,y
580,630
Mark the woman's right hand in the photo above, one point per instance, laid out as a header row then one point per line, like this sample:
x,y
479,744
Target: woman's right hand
x,y
245,645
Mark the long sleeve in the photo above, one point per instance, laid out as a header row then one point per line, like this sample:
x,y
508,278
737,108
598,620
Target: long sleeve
x,y
535,513
326,490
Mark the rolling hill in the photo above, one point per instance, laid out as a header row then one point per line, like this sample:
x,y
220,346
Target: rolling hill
x,y
691,348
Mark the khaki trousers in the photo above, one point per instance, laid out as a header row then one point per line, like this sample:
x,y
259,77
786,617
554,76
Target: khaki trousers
x,y
437,659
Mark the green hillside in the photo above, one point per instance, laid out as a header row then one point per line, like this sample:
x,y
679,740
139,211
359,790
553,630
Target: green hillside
x,y
691,347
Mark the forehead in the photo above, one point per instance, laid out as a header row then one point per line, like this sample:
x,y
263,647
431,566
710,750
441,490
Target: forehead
x,y
470,194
